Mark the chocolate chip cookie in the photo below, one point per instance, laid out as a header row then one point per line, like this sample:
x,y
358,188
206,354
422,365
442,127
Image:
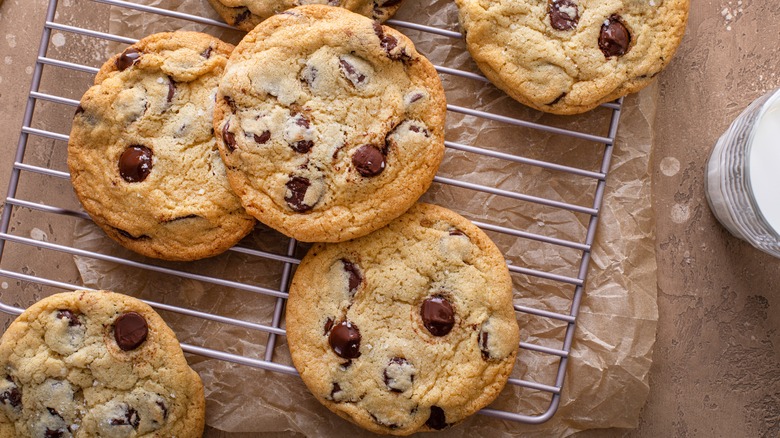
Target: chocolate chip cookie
x,y
85,364
569,56
408,329
246,14
330,124
142,154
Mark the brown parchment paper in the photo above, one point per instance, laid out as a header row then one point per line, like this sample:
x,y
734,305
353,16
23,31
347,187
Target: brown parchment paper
x,y
607,376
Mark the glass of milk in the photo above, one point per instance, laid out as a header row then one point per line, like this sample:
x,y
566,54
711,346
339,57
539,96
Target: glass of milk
x,y
743,175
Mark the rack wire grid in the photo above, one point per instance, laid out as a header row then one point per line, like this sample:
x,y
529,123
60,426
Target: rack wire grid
x,y
27,247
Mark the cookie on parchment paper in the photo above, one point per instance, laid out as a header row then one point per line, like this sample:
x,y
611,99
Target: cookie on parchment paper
x,y
569,56
408,329
246,14
330,124
96,363
142,154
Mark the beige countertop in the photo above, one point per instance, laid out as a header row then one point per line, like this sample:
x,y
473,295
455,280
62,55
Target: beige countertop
x,y
716,369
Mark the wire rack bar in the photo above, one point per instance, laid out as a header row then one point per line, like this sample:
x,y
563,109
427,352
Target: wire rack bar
x,y
288,259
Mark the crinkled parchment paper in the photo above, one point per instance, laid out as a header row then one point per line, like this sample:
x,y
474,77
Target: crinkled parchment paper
x,y
607,377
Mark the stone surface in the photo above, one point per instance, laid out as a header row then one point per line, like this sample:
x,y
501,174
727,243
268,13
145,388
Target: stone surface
x,y
716,368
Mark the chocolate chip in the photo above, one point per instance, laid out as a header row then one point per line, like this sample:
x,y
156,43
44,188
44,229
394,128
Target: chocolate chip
x,y
130,236
207,53
614,38
355,278
335,390
302,121
389,43
298,186
368,160
328,326
56,433
415,97
437,420
345,365
309,75
438,315
419,130
73,321
131,418
302,146
79,110
230,103
243,16
163,408
391,426
11,396
171,89
127,59
54,412
354,76
228,137
263,137
564,14
483,345
130,331
135,163
344,339
456,232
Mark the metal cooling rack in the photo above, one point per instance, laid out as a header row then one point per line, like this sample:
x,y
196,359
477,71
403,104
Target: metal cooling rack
x,y
567,317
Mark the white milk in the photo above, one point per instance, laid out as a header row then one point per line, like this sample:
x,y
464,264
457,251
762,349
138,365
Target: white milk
x,y
764,164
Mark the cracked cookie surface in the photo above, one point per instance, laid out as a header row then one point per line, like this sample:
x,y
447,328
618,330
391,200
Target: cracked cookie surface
x,y
142,155
86,363
569,56
330,124
246,14
411,328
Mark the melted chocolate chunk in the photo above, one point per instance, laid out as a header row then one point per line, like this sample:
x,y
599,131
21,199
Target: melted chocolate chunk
x,y
135,163
351,73
127,59
207,53
131,418
336,389
456,232
130,236
391,426
163,408
230,103
483,345
302,146
298,186
263,137
557,99
328,326
73,320
564,14
309,75
437,420
130,331
614,38
79,110
228,137
419,130
344,339
171,89
345,365
368,160
415,97
388,42
438,315
243,16
54,412
355,278
56,433
11,396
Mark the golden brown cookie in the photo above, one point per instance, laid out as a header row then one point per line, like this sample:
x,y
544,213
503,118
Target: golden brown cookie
x,y
85,364
569,56
408,329
246,14
142,155
330,124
